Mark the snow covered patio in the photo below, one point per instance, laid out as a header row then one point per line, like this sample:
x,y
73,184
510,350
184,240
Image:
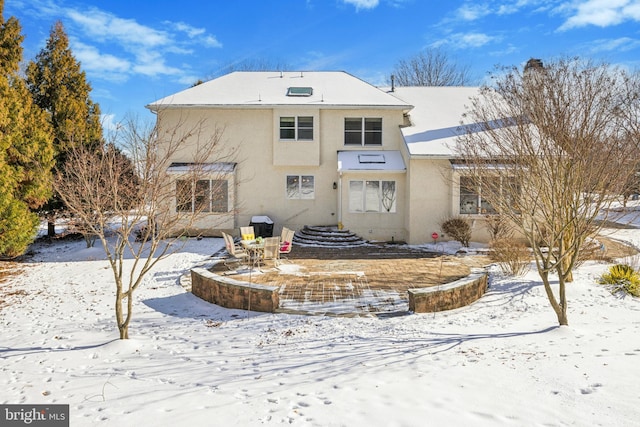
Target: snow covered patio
x,y
355,281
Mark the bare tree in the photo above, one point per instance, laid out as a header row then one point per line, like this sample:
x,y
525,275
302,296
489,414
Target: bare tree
x,y
141,224
431,67
551,149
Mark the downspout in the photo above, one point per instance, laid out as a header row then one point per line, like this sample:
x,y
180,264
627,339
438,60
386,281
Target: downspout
x,y
340,225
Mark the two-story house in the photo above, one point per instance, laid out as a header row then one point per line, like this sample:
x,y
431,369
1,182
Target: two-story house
x,y
321,148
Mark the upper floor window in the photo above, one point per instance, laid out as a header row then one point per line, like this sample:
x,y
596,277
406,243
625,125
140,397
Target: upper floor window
x,y
363,131
205,195
296,128
301,187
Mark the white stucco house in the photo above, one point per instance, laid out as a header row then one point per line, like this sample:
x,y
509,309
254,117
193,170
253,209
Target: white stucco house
x,y
326,148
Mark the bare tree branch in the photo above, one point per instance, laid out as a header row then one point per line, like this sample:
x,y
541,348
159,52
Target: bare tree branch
x,y
431,67
557,147
138,221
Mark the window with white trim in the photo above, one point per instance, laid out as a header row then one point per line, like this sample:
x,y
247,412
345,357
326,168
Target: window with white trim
x,y
205,195
471,199
363,131
301,187
372,196
299,128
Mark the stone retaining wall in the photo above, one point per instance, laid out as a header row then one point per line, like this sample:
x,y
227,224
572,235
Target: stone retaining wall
x,y
230,293
452,295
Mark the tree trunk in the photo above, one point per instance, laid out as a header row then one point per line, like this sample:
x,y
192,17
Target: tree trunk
x,y
560,308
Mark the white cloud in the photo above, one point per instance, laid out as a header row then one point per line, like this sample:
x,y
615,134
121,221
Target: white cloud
x,y
151,63
622,44
465,40
471,12
107,66
363,4
197,34
601,13
115,48
104,26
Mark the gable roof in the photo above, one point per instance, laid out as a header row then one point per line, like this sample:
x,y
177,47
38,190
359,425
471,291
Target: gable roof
x,y
260,89
435,118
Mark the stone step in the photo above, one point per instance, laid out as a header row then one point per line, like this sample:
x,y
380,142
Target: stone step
x,y
328,236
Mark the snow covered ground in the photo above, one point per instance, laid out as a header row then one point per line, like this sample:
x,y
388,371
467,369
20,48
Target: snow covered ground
x,y
501,361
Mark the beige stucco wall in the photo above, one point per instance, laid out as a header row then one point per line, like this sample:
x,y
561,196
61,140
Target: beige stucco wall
x,y
251,139
434,191
428,189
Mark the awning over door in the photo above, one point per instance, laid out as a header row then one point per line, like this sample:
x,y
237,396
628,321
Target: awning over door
x,y
368,161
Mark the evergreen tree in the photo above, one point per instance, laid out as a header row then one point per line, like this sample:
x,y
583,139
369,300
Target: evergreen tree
x,y
60,87
26,151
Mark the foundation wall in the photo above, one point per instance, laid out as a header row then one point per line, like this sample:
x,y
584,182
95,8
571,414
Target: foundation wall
x,y
230,293
452,295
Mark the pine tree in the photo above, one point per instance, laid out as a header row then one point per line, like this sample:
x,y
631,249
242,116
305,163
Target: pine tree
x,y
26,150
60,87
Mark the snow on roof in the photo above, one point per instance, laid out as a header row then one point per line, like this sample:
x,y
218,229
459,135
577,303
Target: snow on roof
x,y
202,167
272,88
366,160
435,118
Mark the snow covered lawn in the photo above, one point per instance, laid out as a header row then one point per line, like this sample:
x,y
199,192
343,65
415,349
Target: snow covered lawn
x,y
500,361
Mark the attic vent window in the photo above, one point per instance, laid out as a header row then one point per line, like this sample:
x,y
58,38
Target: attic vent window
x,y
300,91
371,158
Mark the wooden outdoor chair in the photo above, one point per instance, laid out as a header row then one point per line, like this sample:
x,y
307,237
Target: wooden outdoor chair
x,y
237,254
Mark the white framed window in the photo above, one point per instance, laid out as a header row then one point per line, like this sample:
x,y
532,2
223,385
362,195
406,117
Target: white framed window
x,y
298,128
471,200
372,196
301,187
204,195
363,131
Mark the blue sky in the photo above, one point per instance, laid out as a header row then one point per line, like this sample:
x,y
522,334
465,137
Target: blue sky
x,y
137,51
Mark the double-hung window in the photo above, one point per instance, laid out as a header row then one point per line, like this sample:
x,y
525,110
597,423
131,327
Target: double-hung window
x,y
372,196
301,187
205,195
299,128
363,131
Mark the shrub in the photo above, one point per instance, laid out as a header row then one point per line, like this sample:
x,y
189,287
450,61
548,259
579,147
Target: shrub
x,y
513,256
498,226
622,277
458,229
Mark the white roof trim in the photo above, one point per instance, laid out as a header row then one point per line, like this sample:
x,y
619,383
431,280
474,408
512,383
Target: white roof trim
x,y
368,161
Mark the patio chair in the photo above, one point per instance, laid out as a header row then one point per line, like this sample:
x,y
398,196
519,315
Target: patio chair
x,y
236,252
271,249
247,233
286,242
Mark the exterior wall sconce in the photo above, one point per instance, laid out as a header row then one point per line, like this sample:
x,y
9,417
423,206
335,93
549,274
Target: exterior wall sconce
x,y
335,185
